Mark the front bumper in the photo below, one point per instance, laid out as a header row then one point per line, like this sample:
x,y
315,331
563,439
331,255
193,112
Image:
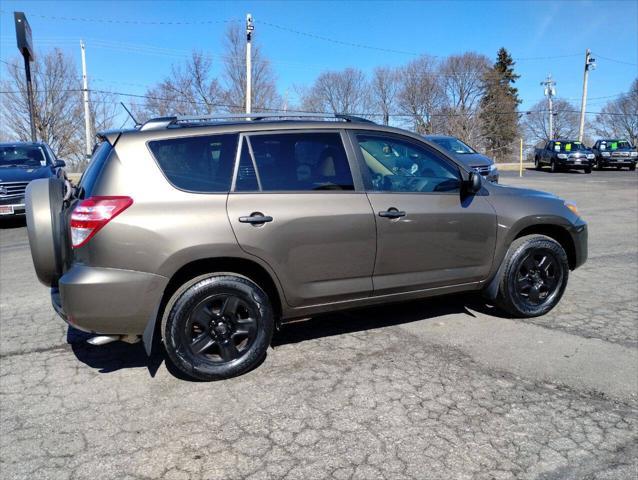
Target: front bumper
x,y
617,161
14,205
107,300
579,235
575,166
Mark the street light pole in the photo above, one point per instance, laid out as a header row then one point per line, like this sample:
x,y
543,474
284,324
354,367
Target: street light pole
x,y
249,80
589,63
87,112
550,91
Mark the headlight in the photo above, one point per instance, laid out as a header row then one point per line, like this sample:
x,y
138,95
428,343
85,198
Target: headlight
x,y
590,156
561,155
634,154
572,207
606,154
493,167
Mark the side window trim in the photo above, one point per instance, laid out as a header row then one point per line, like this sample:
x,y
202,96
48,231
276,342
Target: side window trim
x,y
252,158
402,138
351,158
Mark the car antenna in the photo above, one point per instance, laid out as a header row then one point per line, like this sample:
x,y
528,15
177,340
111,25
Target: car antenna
x,y
137,124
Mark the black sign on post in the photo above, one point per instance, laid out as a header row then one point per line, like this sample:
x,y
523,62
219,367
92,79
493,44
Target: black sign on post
x,y
25,45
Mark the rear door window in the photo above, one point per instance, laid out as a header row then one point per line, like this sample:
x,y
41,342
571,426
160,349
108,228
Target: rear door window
x,y
197,164
92,172
295,162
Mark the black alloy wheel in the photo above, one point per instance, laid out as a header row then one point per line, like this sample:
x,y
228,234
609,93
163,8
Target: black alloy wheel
x,y
534,277
217,326
221,328
538,277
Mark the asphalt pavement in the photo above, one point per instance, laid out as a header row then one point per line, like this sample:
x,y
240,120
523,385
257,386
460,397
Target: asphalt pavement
x,y
440,389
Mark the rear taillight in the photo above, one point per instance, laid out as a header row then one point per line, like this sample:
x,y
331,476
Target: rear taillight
x,y
90,215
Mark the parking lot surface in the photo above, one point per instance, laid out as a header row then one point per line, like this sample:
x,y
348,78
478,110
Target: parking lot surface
x,y
438,389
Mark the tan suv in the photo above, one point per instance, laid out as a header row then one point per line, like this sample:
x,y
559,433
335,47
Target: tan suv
x,y
208,233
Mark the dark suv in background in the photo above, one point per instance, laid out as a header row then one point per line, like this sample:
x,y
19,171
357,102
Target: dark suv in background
x,y
207,234
20,163
467,155
615,153
564,155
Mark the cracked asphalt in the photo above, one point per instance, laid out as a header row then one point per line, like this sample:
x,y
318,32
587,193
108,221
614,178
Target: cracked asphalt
x,y
439,389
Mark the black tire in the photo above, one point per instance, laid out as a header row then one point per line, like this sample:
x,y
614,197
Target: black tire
x,y
599,166
632,168
553,167
537,164
588,170
217,326
534,278
618,168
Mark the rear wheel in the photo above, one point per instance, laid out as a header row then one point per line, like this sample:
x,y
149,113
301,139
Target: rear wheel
x,y
217,327
632,167
535,276
588,170
537,164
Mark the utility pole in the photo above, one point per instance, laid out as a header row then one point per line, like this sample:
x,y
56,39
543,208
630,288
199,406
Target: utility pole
x,y
87,112
550,91
249,74
589,63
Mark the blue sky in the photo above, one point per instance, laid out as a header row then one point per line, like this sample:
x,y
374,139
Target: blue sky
x,y
544,37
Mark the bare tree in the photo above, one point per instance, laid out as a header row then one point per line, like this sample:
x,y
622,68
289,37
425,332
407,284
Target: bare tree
x,y
345,91
264,89
566,121
420,94
57,107
383,89
619,117
188,90
462,78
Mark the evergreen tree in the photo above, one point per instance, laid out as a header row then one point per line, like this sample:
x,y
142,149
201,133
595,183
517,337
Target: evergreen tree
x,y
499,107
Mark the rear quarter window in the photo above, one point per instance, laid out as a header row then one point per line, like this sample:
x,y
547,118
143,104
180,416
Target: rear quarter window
x,y
197,164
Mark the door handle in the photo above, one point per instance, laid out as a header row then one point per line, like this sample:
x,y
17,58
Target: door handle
x,y
256,219
392,213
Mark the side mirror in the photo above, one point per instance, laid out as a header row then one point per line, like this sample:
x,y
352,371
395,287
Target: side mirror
x,y
59,163
475,182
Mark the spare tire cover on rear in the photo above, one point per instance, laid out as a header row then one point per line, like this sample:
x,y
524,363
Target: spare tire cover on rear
x,y
44,202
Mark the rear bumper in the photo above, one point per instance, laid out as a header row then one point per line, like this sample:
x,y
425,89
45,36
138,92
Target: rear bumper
x,y
579,236
107,300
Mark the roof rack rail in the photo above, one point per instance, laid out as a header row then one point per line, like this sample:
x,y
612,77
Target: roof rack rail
x,y
165,122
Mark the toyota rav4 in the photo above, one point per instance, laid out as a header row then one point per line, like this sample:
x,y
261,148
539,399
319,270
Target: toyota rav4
x,y
206,233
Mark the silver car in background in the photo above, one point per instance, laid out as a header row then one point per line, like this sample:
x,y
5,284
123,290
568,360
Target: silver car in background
x,y
467,155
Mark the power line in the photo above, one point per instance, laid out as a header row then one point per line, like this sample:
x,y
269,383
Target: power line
x,y
616,61
265,109
129,22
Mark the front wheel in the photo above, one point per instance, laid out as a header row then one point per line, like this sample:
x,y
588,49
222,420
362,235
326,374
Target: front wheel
x,y
632,167
217,327
534,278
537,164
553,167
588,170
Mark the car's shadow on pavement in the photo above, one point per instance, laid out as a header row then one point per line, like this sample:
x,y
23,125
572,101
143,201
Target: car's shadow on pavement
x,y
380,316
13,222
119,355
113,356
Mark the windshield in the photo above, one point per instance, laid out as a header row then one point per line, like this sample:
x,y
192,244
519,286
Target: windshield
x,y
22,156
453,145
614,144
569,147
